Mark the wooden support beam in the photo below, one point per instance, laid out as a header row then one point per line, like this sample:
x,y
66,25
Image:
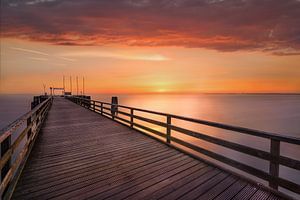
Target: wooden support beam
x,y
169,129
274,163
131,118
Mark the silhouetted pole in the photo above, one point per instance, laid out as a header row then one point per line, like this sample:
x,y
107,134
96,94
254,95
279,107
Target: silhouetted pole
x,y
83,85
71,84
77,84
44,89
64,83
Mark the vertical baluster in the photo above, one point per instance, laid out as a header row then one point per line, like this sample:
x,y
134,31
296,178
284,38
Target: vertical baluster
x,y
94,107
274,163
131,117
101,108
168,129
30,130
114,107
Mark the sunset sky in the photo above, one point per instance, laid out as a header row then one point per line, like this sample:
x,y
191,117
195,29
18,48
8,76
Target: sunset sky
x,y
151,46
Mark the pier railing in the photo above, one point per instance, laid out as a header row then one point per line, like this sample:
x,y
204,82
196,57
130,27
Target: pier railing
x,y
273,156
30,124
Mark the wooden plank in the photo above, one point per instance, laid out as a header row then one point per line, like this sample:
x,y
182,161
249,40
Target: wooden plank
x,y
246,192
260,195
141,180
162,191
106,152
191,185
88,146
46,163
94,168
149,192
133,187
274,197
196,192
82,187
101,160
218,188
230,192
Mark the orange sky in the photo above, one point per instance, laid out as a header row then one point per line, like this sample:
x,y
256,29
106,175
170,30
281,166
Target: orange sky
x,y
26,66
127,46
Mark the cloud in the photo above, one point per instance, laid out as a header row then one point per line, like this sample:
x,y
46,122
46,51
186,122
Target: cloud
x,y
37,58
223,25
59,64
33,2
40,53
29,51
67,59
106,54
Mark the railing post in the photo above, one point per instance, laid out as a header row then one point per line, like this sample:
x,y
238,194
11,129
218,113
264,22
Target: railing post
x,y
30,130
274,163
101,105
131,117
114,107
168,129
94,106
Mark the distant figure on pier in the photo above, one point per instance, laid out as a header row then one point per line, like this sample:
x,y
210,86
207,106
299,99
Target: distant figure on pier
x,y
114,106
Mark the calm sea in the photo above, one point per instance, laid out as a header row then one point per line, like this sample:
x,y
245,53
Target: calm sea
x,y
273,113
12,107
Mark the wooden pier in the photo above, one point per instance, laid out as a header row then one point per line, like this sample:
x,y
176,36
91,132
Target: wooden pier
x,y
73,153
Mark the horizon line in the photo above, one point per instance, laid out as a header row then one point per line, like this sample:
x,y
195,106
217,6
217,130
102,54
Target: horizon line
x,y
172,93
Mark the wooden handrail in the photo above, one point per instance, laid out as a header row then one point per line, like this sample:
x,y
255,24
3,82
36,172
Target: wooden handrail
x,y
258,133
11,171
9,129
274,157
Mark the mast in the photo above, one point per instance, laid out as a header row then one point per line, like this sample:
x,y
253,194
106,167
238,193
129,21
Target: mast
x,y
77,84
71,84
64,83
83,85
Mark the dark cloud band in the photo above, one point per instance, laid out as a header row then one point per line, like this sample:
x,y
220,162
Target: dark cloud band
x,y
224,25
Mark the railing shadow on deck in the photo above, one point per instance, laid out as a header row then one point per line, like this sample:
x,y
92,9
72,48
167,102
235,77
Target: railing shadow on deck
x,y
274,157
12,168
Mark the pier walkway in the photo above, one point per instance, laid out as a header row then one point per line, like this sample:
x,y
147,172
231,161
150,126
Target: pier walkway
x,y
81,155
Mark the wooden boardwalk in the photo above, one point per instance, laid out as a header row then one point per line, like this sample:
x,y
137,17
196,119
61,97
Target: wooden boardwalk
x,y
82,155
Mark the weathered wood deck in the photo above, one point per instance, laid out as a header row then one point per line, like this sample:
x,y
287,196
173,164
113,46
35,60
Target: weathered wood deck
x,y
82,155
